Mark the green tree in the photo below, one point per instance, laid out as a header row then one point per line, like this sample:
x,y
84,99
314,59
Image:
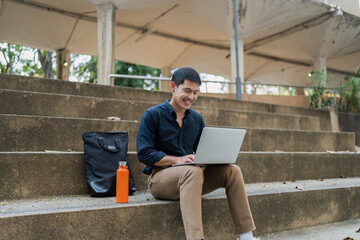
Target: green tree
x,y
36,62
45,59
318,95
84,70
88,71
349,100
11,55
140,70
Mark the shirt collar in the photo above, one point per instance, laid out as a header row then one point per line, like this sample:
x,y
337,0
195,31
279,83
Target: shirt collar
x,y
170,110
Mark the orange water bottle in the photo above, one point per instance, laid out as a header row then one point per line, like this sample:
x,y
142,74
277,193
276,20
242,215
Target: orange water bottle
x,y
122,183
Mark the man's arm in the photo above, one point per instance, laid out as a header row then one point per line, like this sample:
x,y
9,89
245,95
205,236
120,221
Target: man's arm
x,y
147,152
170,160
145,141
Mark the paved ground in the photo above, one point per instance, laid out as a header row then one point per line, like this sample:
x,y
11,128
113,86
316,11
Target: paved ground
x,y
336,231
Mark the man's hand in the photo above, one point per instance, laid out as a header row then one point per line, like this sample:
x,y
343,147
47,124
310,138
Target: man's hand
x,y
170,160
185,159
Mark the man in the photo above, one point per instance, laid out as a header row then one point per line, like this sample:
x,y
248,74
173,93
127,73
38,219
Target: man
x,y
168,134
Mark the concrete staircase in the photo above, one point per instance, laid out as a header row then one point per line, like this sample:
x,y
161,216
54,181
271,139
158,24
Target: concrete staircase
x,y
298,173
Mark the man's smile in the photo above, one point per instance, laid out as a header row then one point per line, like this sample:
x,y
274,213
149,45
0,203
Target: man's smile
x,y
188,102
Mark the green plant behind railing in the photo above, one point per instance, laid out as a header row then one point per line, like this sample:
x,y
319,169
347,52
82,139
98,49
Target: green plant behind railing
x,y
349,100
318,95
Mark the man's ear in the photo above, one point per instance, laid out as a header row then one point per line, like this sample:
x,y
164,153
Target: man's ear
x,y
172,85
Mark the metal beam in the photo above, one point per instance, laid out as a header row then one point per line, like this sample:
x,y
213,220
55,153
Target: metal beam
x,y
237,79
291,61
295,62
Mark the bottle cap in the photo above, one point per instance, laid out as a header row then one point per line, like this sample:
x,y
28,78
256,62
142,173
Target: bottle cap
x,y
122,163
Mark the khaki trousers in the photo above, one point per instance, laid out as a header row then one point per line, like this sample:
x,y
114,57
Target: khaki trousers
x,y
188,183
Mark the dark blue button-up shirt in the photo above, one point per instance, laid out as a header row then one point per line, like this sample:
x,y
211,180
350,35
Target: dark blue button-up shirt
x,y
159,134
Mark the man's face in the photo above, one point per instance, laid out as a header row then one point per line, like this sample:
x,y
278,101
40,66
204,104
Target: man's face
x,y
185,94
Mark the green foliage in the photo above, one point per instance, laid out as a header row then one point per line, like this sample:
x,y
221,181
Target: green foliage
x,y
84,70
24,60
11,57
287,91
134,69
88,71
35,62
349,100
319,97
349,92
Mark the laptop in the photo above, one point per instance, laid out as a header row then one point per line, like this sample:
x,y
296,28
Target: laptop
x,y
218,146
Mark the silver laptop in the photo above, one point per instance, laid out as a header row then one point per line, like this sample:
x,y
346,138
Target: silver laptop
x,y
218,146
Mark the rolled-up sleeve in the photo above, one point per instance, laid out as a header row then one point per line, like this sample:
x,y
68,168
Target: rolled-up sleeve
x,y
145,141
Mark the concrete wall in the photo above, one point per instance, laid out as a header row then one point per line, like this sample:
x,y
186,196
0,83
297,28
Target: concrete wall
x,y
350,122
294,101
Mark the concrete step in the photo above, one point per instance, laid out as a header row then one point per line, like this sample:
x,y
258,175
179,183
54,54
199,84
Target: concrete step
x,y
61,105
16,82
348,230
38,133
49,174
23,83
275,207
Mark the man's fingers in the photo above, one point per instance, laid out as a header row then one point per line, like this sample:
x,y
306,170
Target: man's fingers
x,y
187,159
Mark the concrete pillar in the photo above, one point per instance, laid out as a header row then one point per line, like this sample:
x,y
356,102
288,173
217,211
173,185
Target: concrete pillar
x,y
334,118
300,91
320,64
63,64
165,85
233,63
106,41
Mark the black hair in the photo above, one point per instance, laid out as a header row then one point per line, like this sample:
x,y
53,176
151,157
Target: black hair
x,y
185,73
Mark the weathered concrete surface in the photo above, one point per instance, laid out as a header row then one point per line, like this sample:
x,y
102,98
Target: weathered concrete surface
x,y
33,175
322,114
341,230
350,122
282,166
61,105
16,82
295,141
27,133
276,206
45,174
84,89
223,117
298,210
35,133
84,217
354,205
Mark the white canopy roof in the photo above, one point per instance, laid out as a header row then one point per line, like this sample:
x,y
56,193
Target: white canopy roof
x,y
282,38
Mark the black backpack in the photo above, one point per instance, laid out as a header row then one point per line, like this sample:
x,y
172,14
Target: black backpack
x,y
103,151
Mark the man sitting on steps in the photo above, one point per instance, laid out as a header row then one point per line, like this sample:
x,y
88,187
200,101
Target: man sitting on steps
x,y
169,134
